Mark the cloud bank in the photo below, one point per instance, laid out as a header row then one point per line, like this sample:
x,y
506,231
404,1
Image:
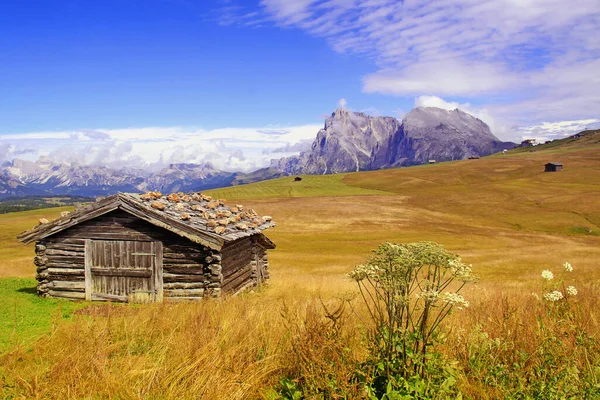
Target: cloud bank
x,y
227,149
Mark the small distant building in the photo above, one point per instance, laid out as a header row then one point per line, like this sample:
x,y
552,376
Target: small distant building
x,y
527,143
553,167
431,161
297,179
474,158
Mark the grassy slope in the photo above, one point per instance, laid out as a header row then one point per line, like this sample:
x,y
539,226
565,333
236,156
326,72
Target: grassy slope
x,y
501,213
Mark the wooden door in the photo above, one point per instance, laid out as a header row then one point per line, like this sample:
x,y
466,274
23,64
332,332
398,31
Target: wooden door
x,y
126,271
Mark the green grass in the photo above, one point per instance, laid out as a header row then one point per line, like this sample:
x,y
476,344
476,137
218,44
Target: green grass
x,y
24,316
309,186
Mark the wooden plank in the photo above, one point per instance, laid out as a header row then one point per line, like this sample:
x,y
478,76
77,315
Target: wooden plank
x,y
232,274
67,295
87,269
72,265
180,261
67,285
183,285
184,292
61,277
109,297
124,272
185,256
66,259
158,271
63,254
234,284
65,247
63,240
182,278
66,271
189,269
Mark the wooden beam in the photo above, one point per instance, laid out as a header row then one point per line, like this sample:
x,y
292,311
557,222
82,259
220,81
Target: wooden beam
x,y
126,272
158,271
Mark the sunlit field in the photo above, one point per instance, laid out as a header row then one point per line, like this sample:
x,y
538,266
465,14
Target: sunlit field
x,y
502,214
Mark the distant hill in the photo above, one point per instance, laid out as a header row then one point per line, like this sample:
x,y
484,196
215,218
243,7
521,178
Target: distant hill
x,y
582,139
354,141
25,203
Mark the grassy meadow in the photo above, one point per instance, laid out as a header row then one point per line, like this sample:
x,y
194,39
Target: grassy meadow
x,y
502,214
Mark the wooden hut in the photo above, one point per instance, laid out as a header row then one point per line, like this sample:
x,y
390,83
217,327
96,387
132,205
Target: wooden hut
x,y
146,248
297,179
553,167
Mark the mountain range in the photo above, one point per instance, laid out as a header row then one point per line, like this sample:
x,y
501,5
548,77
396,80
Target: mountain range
x,y
354,141
349,141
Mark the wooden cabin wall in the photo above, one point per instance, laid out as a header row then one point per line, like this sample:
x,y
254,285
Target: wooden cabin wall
x,y
238,265
60,268
190,270
244,265
262,267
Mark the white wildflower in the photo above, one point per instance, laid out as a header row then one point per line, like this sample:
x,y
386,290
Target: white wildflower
x,y
455,299
461,271
364,271
429,295
571,291
568,267
547,275
554,295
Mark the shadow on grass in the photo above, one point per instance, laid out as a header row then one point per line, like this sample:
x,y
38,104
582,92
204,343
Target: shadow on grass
x,y
28,290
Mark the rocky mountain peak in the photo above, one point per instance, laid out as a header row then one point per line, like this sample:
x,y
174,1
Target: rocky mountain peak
x,y
354,141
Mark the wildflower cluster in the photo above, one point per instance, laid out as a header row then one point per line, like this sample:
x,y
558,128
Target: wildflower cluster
x,y
364,271
430,296
408,290
571,291
547,275
554,293
455,300
461,271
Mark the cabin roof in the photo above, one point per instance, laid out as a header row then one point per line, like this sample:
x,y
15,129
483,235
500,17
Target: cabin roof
x,y
195,216
555,164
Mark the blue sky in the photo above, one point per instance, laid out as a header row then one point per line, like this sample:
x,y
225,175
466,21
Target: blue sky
x,y
183,80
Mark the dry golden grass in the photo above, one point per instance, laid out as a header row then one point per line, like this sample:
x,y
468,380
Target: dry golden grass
x,y
500,213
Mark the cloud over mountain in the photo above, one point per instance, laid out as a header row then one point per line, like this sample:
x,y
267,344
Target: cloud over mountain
x,y
227,149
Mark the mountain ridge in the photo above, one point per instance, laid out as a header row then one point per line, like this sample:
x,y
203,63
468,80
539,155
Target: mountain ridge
x,y
355,141
349,141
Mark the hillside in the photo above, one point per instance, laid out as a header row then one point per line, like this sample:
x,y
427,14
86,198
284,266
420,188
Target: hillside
x,y
501,213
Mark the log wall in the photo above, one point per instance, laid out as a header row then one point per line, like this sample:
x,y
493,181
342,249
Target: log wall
x,y
190,271
243,261
187,267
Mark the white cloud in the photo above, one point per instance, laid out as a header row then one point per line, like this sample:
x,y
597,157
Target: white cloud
x,y
342,103
228,149
534,60
557,130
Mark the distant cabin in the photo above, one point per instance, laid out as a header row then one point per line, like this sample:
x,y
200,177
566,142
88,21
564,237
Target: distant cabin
x,y
431,161
297,179
474,158
553,167
150,248
528,143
